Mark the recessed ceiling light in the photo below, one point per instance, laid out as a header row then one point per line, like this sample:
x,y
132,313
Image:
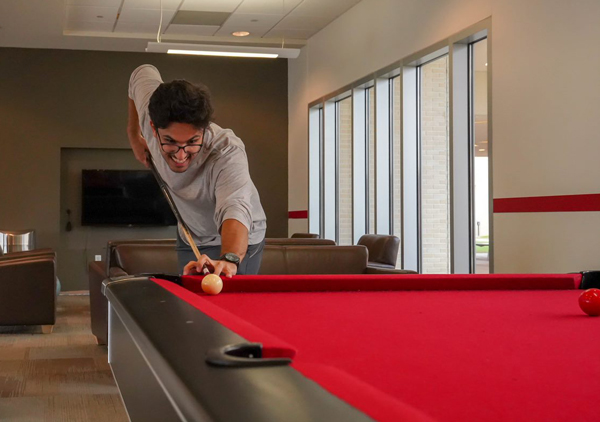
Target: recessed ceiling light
x,y
240,34
486,64
481,149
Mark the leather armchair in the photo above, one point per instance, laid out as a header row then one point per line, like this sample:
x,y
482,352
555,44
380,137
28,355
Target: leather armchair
x,y
383,249
28,288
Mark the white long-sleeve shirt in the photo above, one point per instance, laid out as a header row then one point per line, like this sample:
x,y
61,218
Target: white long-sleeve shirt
x,y
216,186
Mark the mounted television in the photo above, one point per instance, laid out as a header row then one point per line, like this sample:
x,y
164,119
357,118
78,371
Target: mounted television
x,y
123,198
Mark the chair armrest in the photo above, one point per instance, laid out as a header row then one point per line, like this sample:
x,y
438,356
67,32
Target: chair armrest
x,y
115,272
375,270
98,303
27,254
379,265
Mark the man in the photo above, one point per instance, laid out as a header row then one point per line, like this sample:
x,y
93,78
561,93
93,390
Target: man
x,y
205,168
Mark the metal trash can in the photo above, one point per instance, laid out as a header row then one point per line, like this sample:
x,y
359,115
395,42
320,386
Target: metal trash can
x,y
17,240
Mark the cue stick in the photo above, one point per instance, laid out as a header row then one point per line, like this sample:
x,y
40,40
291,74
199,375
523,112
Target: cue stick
x,y
165,190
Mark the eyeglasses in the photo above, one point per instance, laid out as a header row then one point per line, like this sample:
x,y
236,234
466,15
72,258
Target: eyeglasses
x,y
172,148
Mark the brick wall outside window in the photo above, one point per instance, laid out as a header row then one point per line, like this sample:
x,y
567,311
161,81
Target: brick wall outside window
x,y
345,171
371,151
435,188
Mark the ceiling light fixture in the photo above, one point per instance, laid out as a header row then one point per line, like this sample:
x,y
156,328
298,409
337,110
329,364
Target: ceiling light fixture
x,y
219,50
222,50
240,33
223,54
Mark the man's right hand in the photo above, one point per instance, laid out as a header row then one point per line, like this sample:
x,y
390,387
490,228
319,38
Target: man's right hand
x,y
140,149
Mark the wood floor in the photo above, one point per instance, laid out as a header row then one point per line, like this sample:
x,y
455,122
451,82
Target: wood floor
x,y
63,376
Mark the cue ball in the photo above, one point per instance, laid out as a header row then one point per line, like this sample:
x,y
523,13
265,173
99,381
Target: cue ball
x,y
589,302
212,284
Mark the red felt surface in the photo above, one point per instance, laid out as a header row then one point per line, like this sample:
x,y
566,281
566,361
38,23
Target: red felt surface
x,y
452,355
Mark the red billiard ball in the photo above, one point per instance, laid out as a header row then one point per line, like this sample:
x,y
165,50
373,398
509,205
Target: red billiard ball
x,y
589,302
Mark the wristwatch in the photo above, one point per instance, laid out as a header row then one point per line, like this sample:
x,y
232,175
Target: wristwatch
x,y
230,257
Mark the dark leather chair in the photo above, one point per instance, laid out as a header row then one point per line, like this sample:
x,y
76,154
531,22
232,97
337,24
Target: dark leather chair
x,y
383,249
28,288
304,236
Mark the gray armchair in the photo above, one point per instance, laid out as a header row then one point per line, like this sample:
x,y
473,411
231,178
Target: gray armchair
x,y
383,249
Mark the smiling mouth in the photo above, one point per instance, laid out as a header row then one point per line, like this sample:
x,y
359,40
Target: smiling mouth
x,y
177,161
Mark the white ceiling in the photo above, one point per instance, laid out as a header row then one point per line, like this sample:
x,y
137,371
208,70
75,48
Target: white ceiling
x,y
128,25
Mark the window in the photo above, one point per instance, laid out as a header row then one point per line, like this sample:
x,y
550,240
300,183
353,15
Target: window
x,y
385,157
315,165
480,148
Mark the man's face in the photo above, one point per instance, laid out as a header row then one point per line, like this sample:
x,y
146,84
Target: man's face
x,y
179,135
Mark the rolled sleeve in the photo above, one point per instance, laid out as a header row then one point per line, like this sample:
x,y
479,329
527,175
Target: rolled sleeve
x,y
143,82
233,188
142,77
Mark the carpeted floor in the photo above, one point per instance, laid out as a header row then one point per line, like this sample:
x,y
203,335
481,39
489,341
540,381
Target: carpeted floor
x,y
63,376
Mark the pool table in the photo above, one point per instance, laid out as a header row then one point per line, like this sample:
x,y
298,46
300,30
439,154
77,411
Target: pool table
x,y
356,348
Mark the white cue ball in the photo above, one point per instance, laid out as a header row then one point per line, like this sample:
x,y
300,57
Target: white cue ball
x,y
212,284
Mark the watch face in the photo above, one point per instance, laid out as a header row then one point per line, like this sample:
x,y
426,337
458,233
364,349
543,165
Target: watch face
x,y
231,257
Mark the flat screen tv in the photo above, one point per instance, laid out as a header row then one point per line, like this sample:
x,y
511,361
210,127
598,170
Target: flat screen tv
x,y
123,198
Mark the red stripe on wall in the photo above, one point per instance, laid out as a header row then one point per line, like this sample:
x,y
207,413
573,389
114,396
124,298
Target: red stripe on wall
x,y
561,203
298,214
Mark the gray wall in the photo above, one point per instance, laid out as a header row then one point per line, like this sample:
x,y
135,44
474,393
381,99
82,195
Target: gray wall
x,y
56,104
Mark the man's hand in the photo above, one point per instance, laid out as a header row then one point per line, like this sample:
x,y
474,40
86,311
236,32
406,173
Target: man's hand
x,y
228,269
140,149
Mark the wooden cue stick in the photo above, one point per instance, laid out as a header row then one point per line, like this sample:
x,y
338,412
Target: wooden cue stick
x,y
167,194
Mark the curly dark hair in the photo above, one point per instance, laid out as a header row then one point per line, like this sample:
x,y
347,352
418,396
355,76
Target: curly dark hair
x,y
180,101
